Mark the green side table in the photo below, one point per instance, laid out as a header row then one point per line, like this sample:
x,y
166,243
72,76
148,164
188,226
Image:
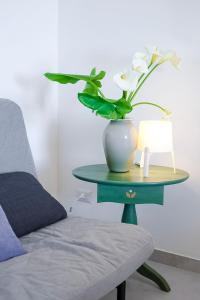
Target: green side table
x,y
132,188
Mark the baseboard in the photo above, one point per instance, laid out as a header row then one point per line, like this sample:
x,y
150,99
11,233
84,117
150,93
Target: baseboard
x,y
178,261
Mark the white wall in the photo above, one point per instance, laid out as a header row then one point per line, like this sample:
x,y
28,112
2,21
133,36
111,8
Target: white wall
x,y
28,36
106,34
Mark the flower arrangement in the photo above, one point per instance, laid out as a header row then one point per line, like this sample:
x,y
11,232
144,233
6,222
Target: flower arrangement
x,y
130,82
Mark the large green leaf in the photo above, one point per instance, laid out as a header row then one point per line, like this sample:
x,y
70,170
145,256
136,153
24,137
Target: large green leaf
x,y
66,78
107,111
74,78
92,102
99,105
104,107
123,107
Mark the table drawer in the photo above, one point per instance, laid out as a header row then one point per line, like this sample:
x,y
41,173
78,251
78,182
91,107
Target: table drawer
x,y
130,194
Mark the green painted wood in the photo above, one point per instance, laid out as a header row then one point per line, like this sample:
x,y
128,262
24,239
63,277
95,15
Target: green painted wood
x,y
146,271
129,215
130,194
158,175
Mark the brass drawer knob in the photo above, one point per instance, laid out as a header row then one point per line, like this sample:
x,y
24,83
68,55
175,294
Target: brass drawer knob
x,y
130,194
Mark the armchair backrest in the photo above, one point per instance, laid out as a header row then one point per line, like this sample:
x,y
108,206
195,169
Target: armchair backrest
x,y
15,152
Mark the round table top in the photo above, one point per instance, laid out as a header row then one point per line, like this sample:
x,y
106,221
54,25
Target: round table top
x,y
158,175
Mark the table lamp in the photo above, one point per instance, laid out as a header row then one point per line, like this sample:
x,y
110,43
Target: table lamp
x,y
155,136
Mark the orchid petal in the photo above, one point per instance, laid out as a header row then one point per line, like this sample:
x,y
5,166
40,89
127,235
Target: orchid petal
x,y
175,60
126,80
171,57
140,65
140,55
154,53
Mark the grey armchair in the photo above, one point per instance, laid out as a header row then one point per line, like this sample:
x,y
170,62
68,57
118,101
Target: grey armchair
x,y
74,259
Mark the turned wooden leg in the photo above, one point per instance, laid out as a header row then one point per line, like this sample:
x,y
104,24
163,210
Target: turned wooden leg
x,y
121,291
130,216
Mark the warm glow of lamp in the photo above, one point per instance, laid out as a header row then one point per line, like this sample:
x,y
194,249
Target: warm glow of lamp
x,y
155,136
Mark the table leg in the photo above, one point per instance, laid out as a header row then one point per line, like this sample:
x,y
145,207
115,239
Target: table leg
x,y
130,216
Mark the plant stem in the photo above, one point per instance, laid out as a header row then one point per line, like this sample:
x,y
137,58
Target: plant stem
x,y
141,76
153,104
145,78
132,93
96,87
125,94
100,92
129,97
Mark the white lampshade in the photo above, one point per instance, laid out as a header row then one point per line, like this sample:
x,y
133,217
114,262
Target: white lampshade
x,y
156,135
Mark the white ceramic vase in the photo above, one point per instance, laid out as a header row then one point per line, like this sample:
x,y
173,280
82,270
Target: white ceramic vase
x,y
120,142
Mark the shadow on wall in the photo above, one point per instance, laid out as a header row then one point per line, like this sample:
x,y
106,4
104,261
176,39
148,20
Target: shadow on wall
x,y
37,88
38,101
178,228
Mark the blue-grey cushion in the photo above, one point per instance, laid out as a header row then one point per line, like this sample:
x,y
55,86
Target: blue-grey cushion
x,y
27,205
10,245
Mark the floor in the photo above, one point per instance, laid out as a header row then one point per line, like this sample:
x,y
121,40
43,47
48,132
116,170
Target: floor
x,y
185,285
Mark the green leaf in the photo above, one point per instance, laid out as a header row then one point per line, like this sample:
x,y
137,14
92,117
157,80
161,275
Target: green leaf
x,y
93,72
66,78
97,83
123,107
107,108
107,111
92,102
74,78
99,105
89,88
100,76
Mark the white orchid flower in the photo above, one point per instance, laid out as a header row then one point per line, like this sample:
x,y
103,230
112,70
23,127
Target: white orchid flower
x,y
140,65
127,81
175,60
172,58
159,57
140,55
139,62
154,53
